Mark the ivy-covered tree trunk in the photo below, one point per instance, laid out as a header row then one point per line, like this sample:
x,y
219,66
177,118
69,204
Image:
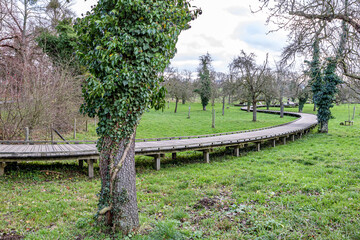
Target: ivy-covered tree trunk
x,y
118,203
125,45
314,108
268,104
125,186
323,127
302,99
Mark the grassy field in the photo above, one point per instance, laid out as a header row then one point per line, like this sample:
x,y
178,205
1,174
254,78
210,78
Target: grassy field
x,y
307,189
169,124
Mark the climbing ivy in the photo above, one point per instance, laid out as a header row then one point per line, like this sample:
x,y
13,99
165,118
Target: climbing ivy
x,y
324,82
125,45
324,88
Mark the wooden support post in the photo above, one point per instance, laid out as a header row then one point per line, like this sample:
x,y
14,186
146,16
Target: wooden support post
x,y
86,125
81,163
273,143
157,162
237,151
90,163
173,155
300,135
284,140
293,137
2,168
258,146
206,155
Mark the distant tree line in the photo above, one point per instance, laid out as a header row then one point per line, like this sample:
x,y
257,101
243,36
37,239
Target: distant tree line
x,y
40,77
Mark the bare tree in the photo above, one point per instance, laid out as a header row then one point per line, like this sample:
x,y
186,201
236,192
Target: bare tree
x,y
310,19
187,88
271,89
36,93
252,76
178,85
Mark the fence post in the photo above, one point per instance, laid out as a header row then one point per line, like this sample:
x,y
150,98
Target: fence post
x,y
51,134
75,129
27,134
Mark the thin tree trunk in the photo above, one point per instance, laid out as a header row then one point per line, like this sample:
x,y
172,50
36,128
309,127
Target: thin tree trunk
x,y
314,109
223,106
118,189
204,108
254,111
248,106
229,102
189,112
213,117
176,105
183,101
281,108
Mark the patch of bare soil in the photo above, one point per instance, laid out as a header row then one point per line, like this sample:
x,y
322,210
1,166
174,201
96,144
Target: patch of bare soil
x,y
10,236
206,203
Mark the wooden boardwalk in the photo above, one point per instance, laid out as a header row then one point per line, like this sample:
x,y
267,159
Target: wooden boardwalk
x,y
156,149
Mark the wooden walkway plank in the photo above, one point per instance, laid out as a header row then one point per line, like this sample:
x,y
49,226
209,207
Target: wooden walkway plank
x,y
157,148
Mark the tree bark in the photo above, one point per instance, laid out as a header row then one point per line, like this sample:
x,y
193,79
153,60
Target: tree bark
x,y
204,108
254,110
118,194
324,127
314,109
183,101
281,108
176,105
248,106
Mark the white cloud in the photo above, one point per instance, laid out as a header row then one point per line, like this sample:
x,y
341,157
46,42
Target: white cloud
x,y
224,29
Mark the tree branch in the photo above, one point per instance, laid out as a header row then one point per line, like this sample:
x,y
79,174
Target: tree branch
x,y
355,23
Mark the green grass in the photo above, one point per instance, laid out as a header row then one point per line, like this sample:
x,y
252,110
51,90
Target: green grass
x,y
169,124
307,189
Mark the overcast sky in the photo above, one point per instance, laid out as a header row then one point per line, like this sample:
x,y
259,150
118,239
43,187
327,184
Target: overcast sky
x,y
224,29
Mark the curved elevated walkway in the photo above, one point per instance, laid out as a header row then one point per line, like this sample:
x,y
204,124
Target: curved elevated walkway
x,y
89,153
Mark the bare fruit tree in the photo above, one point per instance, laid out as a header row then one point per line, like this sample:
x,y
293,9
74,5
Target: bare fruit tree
x,y
252,76
303,19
